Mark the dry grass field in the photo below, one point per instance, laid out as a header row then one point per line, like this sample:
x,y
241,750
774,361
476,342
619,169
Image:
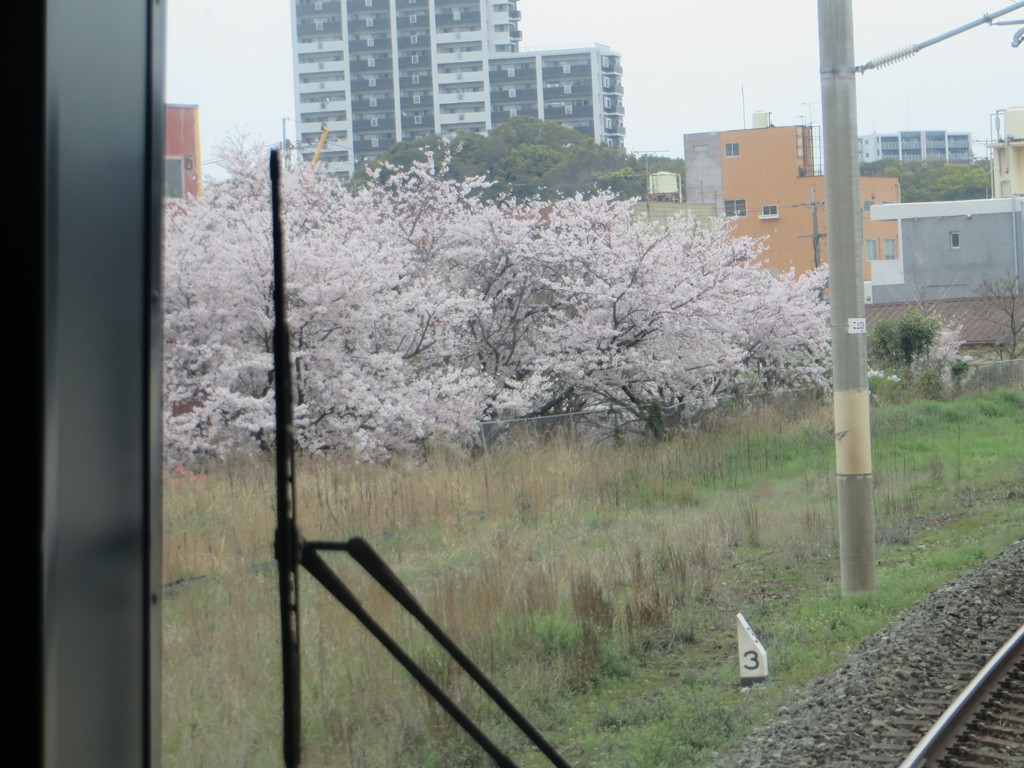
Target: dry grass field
x,y
597,584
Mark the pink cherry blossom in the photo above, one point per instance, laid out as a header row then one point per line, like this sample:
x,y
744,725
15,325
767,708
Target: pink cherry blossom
x,y
418,308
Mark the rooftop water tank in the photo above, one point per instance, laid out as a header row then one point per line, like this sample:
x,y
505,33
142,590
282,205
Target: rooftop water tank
x,y
1013,123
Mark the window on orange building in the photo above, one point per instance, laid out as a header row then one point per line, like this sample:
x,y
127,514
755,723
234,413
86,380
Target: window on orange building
x,y
732,149
736,207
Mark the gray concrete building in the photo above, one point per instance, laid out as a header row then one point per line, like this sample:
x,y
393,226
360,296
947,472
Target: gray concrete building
x,y
947,250
376,72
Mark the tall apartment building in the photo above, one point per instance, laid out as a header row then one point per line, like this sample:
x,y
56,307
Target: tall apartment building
x,y
376,72
916,147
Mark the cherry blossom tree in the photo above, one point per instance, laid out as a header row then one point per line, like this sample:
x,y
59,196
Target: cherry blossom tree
x,y
374,328
780,330
419,306
651,316
217,327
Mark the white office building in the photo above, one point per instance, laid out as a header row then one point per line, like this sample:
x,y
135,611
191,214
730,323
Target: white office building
x,y
916,147
376,72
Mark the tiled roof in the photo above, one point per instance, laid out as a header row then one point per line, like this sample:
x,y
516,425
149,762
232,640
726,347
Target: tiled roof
x,y
980,318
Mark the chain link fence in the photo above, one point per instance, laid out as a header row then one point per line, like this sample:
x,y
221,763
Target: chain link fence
x,y
997,373
623,424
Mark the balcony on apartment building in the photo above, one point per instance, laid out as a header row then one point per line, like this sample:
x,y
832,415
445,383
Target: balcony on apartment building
x,y
371,146
502,114
372,82
461,98
503,95
413,21
364,124
313,67
322,45
468,76
326,26
366,104
554,72
463,120
418,42
418,101
442,56
310,138
500,75
455,17
327,87
318,8
338,127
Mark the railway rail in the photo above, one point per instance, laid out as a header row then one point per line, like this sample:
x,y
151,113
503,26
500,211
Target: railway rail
x,y
985,724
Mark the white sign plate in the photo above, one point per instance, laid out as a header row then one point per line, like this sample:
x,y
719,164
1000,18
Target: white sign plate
x,y
753,657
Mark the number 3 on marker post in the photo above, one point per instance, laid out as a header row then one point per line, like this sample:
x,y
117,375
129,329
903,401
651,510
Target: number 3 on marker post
x,y
753,658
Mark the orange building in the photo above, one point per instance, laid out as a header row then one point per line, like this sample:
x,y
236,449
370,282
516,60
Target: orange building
x,y
768,179
182,169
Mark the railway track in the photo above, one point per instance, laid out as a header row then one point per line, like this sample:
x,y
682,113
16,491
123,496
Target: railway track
x,y
872,712
984,726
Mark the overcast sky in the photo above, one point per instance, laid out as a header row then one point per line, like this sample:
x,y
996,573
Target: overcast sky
x,y
688,66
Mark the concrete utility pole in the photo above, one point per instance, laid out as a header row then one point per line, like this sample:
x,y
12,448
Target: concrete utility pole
x,y
854,480
854,483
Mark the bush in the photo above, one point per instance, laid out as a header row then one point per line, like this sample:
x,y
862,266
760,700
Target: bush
x,y
898,345
915,354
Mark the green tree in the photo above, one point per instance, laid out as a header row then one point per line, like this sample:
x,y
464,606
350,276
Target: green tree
x,y
530,130
523,170
529,157
927,182
897,345
624,183
922,354
582,167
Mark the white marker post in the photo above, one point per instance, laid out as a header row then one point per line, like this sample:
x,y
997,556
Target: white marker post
x,y
753,658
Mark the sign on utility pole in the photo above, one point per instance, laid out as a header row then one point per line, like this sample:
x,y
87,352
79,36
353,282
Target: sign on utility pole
x,y
854,480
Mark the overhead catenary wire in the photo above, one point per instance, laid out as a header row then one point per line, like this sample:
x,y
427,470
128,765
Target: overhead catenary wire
x,y
906,52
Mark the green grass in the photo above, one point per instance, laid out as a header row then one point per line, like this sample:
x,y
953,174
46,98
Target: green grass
x,y
598,585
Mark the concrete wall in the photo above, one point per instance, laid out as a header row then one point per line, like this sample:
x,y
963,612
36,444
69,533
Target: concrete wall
x,y
935,265
661,212
703,153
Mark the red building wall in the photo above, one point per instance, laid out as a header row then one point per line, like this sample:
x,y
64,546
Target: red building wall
x,y
183,165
